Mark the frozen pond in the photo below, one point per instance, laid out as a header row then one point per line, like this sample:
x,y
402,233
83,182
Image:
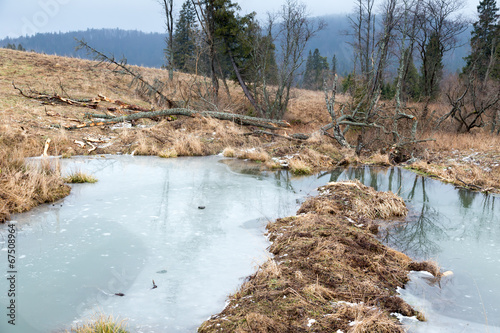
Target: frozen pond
x,y
142,222
458,229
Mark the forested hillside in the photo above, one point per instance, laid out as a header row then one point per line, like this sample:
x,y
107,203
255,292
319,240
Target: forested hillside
x,y
139,48
147,49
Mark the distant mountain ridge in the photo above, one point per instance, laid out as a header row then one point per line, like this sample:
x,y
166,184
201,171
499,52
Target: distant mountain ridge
x,y
146,49
139,48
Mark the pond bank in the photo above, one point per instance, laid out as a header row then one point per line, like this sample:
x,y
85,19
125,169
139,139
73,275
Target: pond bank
x,y
328,273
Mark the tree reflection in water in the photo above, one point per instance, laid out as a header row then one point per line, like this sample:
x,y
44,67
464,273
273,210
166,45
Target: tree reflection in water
x,y
424,227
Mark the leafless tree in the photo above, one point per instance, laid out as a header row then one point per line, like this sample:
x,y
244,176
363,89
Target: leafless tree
x,y
364,112
437,19
471,102
291,30
363,32
205,12
169,22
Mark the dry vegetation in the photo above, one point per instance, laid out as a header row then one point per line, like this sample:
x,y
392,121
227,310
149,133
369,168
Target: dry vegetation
x,y
470,160
79,177
328,273
101,324
24,186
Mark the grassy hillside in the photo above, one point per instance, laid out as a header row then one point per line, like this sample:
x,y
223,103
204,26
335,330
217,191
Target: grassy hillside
x,y
27,123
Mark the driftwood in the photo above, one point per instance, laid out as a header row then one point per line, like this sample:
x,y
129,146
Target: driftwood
x,y
46,148
239,119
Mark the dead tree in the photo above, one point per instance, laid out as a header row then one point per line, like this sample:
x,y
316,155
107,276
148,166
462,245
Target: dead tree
x,y
240,119
206,17
338,135
470,102
291,34
153,91
169,40
439,25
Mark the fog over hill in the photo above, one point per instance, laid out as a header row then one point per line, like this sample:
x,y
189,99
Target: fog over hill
x,y
146,49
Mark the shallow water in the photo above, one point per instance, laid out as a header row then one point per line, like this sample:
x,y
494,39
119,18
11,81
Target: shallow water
x,y
460,230
141,222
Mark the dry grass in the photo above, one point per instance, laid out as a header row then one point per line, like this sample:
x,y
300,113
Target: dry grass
x,y
24,186
299,167
101,324
252,154
466,175
478,141
323,259
79,177
379,159
355,198
168,153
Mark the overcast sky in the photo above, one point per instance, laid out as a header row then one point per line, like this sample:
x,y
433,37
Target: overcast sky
x,y
27,17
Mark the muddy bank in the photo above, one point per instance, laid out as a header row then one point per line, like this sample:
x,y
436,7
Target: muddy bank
x,y
328,272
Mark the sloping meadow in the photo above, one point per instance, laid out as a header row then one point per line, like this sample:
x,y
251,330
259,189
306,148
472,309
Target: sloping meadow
x,y
328,271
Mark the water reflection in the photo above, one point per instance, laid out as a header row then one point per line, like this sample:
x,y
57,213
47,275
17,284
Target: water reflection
x,y
150,207
457,228
142,218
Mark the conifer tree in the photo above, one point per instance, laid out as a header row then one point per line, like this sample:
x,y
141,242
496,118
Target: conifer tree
x,y
432,67
185,38
484,60
316,66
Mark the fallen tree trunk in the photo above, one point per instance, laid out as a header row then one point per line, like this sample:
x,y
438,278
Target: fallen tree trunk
x,y
239,119
122,105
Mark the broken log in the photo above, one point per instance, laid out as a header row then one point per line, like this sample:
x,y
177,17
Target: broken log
x,y
123,105
239,119
47,99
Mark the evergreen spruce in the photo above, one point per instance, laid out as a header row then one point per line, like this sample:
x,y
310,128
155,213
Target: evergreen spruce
x,y
185,38
316,68
432,67
485,42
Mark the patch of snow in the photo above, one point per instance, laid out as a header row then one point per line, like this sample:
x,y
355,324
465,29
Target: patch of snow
x,y
310,322
401,317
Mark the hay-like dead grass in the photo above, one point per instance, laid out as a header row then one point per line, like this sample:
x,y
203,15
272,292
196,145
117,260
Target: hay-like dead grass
x,y
328,273
299,167
379,159
79,177
356,200
466,175
101,324
24,186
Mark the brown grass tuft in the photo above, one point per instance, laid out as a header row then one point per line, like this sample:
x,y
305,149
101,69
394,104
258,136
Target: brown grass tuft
x,y
229,152
299,167
22,185
379,159
168,153
355,199
101,324
79,177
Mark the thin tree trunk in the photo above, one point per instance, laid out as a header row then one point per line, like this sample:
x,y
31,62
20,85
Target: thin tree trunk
x,y
243,85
